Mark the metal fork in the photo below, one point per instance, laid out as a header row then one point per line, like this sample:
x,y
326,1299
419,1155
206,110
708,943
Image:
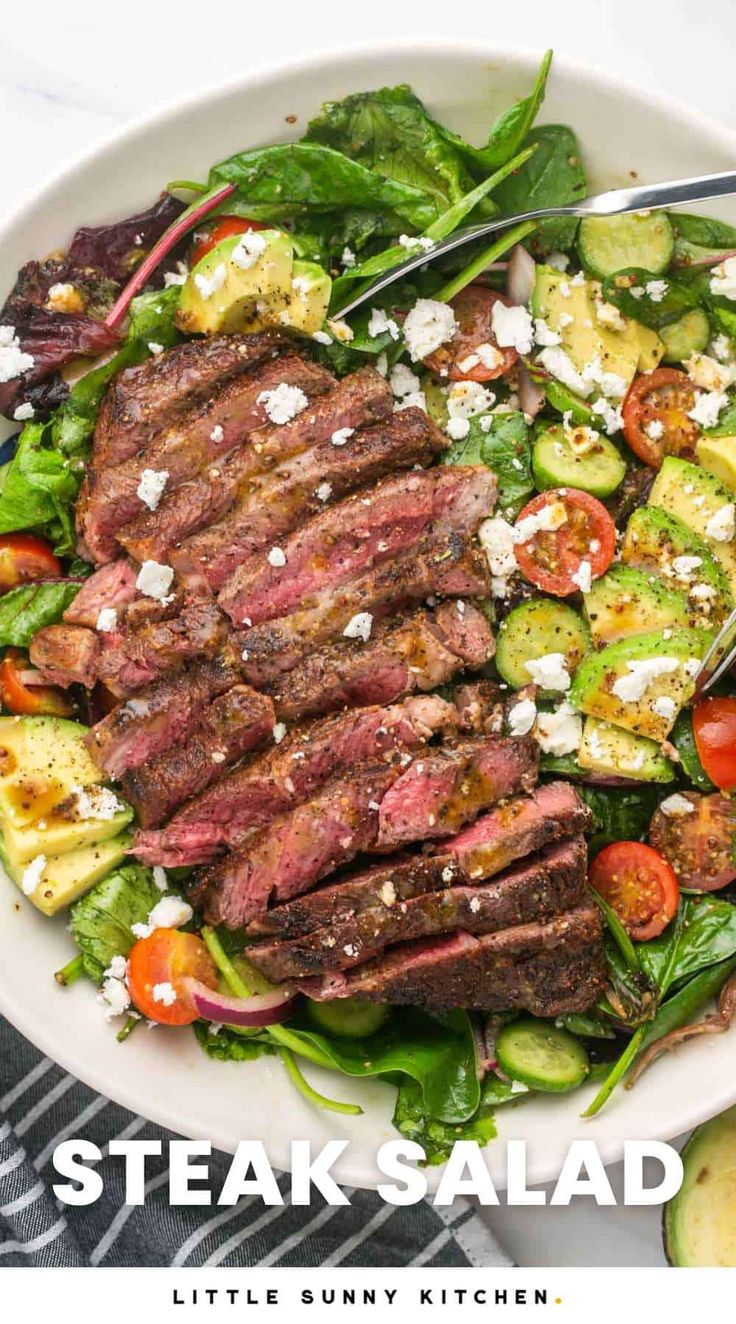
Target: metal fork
x,y
674,193
719,658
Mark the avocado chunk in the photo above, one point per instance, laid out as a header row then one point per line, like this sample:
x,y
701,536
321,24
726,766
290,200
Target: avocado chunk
x,y
700,1221
307,305
618,753
640,683
718,456
696,497
626,601
585,339
64,878
41,760
661,543
232,289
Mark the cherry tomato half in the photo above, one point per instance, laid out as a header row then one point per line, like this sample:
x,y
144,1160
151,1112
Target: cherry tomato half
x,y
163,964
698,844
34,700
473,354
552,558
714,728
655,414
639,885
223,227
24,557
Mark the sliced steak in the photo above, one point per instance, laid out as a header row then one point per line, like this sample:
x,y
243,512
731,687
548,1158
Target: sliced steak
x,y
440,792
150,397
110,499
112,585
66,654
515,829
145,649
272,504
451,566
236,722
420,653
357,400
287,774
547,885
298,848
163,714
544,968
351,537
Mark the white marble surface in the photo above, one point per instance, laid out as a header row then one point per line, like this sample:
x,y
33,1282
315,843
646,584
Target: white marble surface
x,y
71,72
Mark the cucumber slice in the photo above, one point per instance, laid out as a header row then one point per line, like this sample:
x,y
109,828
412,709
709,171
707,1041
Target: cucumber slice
x,y
681,736
541,1056
348,1019
700,1221
535,628
555,462
688,335
607,244
565,401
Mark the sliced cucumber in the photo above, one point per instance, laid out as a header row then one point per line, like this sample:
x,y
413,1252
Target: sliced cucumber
x,y
348,1019
700,1221
534,629
598,469
681,736
607,244
688,335
565,401
541,1056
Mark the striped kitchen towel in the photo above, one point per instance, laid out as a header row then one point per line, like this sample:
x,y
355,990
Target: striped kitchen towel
x,y
40,1105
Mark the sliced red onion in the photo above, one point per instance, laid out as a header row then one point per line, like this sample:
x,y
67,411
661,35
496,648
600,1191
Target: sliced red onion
x,y
521,275
262,1009
603,779
531,394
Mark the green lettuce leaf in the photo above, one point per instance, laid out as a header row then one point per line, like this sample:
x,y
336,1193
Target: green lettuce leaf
x,y
102,922
26,609
229,1046
39,488
553,177
506,449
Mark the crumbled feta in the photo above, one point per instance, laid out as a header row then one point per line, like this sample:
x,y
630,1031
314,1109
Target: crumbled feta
x,y
323,492
665,707
341,331
654,429
32,875
550,671
165,993
170,913
279,731
388,893
707,408
283,403
177,277
583,576
276,557
722,526
321,337
359,626
512,327
341,436
403,381
467,399
582,440
209,285
380,322
114,996
413,243
96,802
685,566
522,716
155,348
677,805
217,433
552,516
560,365
457,428
720,348
24,412
154,580
159,877
248,249
496,537
474,904
428,325
107,620
609,316
416,400
612,385
709,374
559,732
489,355
656,289
151,486
543,334
348,257
611,415
13,360
64,298
723,279
641,674
117,968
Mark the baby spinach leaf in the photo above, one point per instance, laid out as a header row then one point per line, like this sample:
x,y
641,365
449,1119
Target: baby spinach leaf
x,y
437,1138
703,934
701,240
506,449
553,177
620,814
628,291
510,128
39,488
102,921
229,1046
26,609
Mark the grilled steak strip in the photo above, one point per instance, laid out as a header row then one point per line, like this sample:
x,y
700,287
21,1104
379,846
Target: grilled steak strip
x,y
202,437
161,715
146,649
66,654
451,566
233,724
547,885
355,535
287,774
273,504
357,400
112,585
143,400
544,968
425,650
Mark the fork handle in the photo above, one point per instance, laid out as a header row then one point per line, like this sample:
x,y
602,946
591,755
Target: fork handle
x,y
672,193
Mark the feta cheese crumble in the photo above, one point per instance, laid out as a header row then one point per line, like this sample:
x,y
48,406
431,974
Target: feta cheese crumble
x,y
159,877
248,249
665,707
550,517
428,325
13,360
97,802
217,433
512,327
496,537
543,334
276,557
723,279
560,365
283,403
583,577
722,526
151,487
522,716
467,399
24,412
165,993
170,913
380,322
707,408
559,732
279,731
154,580
550,671
107,620
359,626
457,428
323,492
209,285
676,806
32,875
341,436
403,381
642,674
348,257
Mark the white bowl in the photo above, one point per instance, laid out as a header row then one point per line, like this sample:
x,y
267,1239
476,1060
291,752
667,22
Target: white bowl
x,y
625,133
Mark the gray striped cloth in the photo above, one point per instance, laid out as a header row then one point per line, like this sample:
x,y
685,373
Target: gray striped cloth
x,y
40,1105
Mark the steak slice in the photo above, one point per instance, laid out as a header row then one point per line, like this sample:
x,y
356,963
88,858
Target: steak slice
x,y
110,498
519,827
146,648
66,654
449,787
547,885
272,504
287,774
425,650
113,585
348,539
233,724
298,848
547,968
451,566
359,399
163,714
145,399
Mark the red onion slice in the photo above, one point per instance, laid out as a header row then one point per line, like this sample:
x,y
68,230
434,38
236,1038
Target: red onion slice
x,y
531,394
262,1009
521,275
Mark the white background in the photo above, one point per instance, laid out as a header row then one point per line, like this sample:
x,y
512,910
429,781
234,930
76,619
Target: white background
x,y
72,70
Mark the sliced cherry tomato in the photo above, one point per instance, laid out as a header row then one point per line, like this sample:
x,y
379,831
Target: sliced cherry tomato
x,y
552,558
698,843
36,700
24,557
473,354
714,728
223,227
655,414
159,970
639,885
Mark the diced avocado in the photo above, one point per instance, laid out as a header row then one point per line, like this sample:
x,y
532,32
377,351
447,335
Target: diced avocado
x,y
41,760
227,292
535,629
696,496
585,339
659,542
718,456
626,601
688,335
592,689
608,244
60,831
700,1221
618,753
67,877
307,305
